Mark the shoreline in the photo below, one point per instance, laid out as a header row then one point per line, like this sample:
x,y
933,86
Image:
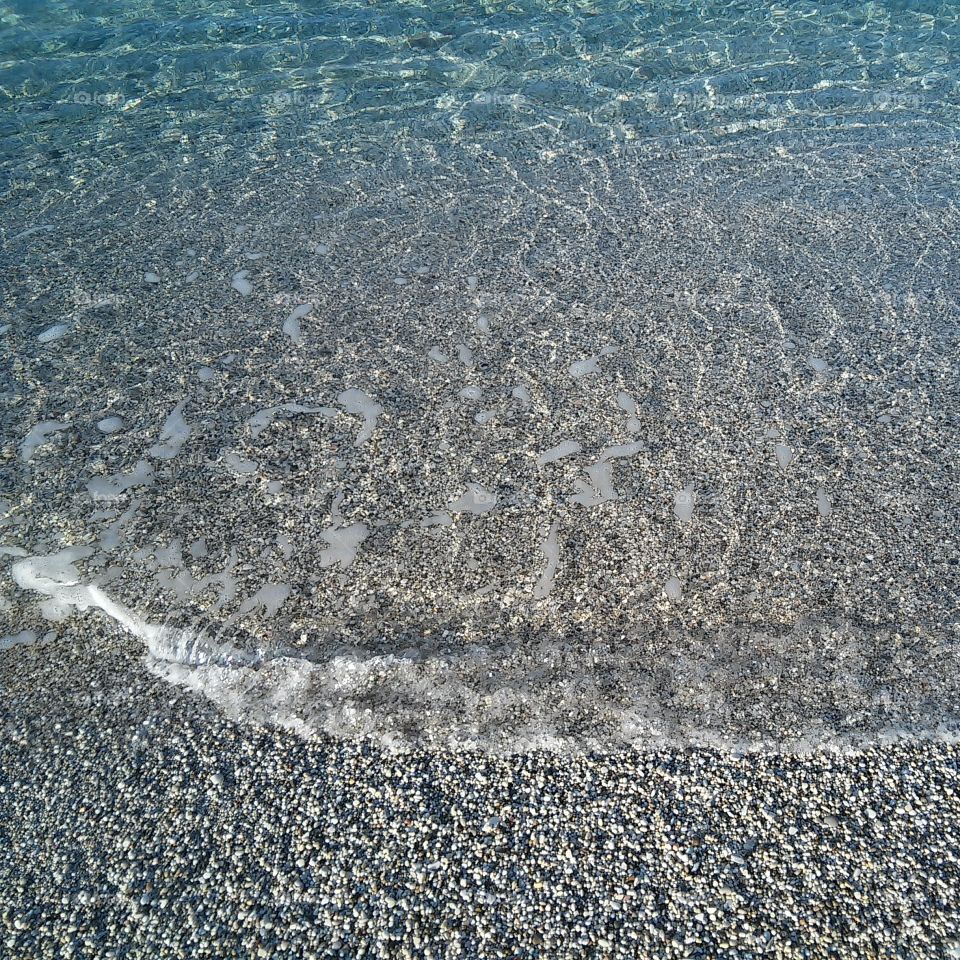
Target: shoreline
x,y
148,825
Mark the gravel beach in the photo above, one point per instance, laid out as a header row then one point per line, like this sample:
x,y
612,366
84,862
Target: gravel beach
x,y
479,480
137,822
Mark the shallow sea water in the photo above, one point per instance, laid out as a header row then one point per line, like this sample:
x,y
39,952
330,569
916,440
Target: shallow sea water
x,y
501,375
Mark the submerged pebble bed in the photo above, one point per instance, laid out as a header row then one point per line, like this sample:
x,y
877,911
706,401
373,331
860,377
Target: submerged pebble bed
x,y
710,501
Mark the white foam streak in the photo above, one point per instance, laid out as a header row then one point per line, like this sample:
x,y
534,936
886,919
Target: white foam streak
x,y
551,551
361,404
56,577
173,435
566,448
38,436
263,418
291,326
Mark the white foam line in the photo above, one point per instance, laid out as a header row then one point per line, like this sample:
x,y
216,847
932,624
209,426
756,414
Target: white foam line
x,y
56,577
407,701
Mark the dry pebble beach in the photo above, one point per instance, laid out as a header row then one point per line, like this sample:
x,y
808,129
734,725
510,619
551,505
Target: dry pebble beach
x,y
479,481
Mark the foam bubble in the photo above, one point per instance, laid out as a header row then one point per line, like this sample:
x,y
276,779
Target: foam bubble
x,y
784,455
55,332
56,576
360,404
622,450
291,326
240,465
38,436
110,538
241,283
441,519
22,639
267,600
173,435
112,487
683,503
343,542
583,368
476,499
551,551
110,424
263,418
598,488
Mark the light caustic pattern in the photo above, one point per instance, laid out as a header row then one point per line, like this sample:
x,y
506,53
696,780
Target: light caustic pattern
x,y
594,385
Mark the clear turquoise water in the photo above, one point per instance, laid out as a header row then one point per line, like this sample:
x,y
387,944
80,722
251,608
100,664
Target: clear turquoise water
x,y
130,89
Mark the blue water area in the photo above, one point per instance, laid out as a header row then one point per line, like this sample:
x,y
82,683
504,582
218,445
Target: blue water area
x,y
124,89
